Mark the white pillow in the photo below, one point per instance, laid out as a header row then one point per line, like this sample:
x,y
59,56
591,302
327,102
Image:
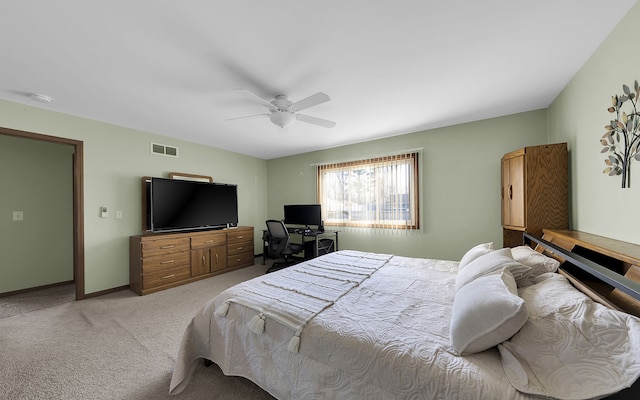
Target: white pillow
x,y
486,312
571,347
474,253
538,262
490,263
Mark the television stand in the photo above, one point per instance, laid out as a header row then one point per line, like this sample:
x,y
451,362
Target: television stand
x,y
165,260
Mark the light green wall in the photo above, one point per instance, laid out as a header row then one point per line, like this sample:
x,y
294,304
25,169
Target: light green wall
x,y
35,178
115,159
597,202
459,184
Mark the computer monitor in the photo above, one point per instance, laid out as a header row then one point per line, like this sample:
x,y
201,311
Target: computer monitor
x,y
303,214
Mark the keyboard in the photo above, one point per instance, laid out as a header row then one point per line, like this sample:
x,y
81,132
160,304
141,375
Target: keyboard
x,y
303,231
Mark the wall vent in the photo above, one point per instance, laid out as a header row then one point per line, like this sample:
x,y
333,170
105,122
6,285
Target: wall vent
x,y
157,148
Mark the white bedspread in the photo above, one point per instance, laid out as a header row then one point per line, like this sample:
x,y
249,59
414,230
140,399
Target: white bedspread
x,y
294,298
385,338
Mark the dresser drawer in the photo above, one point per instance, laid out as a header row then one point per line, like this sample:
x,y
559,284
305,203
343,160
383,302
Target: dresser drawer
x,y
239,235
165,261
165,277
240,260
163,246
199,242
239,248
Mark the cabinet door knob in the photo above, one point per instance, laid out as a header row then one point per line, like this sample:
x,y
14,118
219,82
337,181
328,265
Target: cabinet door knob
x,y
510,191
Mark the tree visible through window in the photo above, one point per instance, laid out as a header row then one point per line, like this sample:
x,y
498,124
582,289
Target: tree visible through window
x,y
380,192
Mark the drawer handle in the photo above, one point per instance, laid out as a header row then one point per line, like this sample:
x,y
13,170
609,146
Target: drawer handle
x,y
169,246
239,237
168,262
239,248
209,241
168,276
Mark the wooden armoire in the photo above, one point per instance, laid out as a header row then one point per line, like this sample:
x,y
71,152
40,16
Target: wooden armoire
x,y
535,191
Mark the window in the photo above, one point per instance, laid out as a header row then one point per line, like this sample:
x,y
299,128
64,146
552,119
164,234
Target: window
x,y
377,193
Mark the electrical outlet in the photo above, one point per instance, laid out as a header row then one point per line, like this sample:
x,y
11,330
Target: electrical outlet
x,y
118,214
18,216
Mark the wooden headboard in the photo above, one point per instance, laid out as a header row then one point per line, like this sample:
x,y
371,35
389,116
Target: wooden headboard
x,y
605,269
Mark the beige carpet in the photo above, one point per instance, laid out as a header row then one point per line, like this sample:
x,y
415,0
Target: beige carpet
x,y
36,300
117,346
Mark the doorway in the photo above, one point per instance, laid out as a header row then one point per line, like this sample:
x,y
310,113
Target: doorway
x,y
78,201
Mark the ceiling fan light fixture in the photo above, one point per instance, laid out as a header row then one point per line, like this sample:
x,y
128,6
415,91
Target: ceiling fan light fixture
x,y
282,118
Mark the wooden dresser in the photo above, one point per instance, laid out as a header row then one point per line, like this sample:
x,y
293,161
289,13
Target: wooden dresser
x,y
535,191
162,261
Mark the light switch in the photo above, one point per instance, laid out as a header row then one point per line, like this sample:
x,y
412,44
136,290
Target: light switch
x,y
103,212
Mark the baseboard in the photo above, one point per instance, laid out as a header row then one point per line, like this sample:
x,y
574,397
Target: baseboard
x,y
106,291
33,289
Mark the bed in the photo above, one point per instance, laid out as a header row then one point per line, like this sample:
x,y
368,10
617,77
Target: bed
x,y
499,323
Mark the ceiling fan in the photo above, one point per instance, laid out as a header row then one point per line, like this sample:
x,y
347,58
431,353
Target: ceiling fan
x,y
283,112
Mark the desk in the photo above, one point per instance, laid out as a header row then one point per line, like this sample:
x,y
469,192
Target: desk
x,y
313,243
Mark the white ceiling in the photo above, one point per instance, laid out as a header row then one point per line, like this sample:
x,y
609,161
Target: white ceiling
x,y
390,67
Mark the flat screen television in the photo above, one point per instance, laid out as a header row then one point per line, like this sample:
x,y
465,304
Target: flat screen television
x,y
178,205
303,214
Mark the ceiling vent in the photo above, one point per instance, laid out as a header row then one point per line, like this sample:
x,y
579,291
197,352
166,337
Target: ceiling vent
x,y
157,148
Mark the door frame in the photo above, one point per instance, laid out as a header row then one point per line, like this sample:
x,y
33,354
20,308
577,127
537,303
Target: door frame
x,y
78,200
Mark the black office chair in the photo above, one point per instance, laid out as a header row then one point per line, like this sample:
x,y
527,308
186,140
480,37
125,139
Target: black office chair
x,y
280,245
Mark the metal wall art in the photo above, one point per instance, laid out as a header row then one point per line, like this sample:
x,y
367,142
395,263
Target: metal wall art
x,y
622,139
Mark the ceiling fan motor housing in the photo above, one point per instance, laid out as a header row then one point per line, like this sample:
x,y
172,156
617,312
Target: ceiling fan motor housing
x,y
282,103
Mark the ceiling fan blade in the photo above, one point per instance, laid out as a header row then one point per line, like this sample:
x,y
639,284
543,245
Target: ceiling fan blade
x,y
316,121
254,97
310,101
247,117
